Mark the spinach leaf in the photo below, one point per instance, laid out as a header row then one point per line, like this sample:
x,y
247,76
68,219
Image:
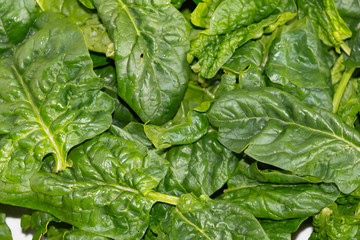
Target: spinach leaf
x,y
332,223
16,19
281,230
204,218
266,121
52,99
38,221
5,233
150,60
199,168
188,132
230,15
213,51
331,28
94,32
122,114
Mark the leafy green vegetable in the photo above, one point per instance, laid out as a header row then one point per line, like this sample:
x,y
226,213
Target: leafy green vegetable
x,y
49,104
182,119
5,233
150,62
265,123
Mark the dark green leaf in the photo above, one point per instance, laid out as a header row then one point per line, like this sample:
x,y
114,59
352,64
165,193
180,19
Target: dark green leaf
x,y
122,114
150,60
38,221
281,230
16,18
5,233
277,129
201,168
205,218
354,60
193,129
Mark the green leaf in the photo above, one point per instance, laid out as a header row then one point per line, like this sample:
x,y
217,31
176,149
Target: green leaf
x,y
277,129
281,230
108,189
51,98
122,114
330,27
38,221
331,223
247,63
94,32
203,12
5,233
16,18
88,3
213,51
230,15
150,60
279,202
200,168
354,59
310,68
204,218
188,132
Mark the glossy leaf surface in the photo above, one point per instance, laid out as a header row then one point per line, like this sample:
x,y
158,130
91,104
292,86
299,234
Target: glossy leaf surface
x,y
150,61
51,100
201,168
277,129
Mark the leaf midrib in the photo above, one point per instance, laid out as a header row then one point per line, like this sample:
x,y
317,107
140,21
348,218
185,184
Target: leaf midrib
x,y
59,156
192,224
357,148
124,7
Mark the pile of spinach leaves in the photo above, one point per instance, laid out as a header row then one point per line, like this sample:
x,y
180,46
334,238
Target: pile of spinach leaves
x,y
212,119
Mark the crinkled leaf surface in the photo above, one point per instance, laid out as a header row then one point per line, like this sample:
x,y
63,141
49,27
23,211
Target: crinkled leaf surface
x,y
16,18
354,59
51,99
38,221
201,168
94,32
193,129
230,15
204,218
107,191
277,129
151,42
213,51
280,202
331,28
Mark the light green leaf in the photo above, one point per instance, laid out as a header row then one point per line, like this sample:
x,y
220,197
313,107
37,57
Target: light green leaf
x,y
330,27
94,32
213,51
150,61
277,129
52,97
230,15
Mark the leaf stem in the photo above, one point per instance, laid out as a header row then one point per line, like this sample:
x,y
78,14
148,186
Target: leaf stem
x,y
160,197
341,88
345,48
